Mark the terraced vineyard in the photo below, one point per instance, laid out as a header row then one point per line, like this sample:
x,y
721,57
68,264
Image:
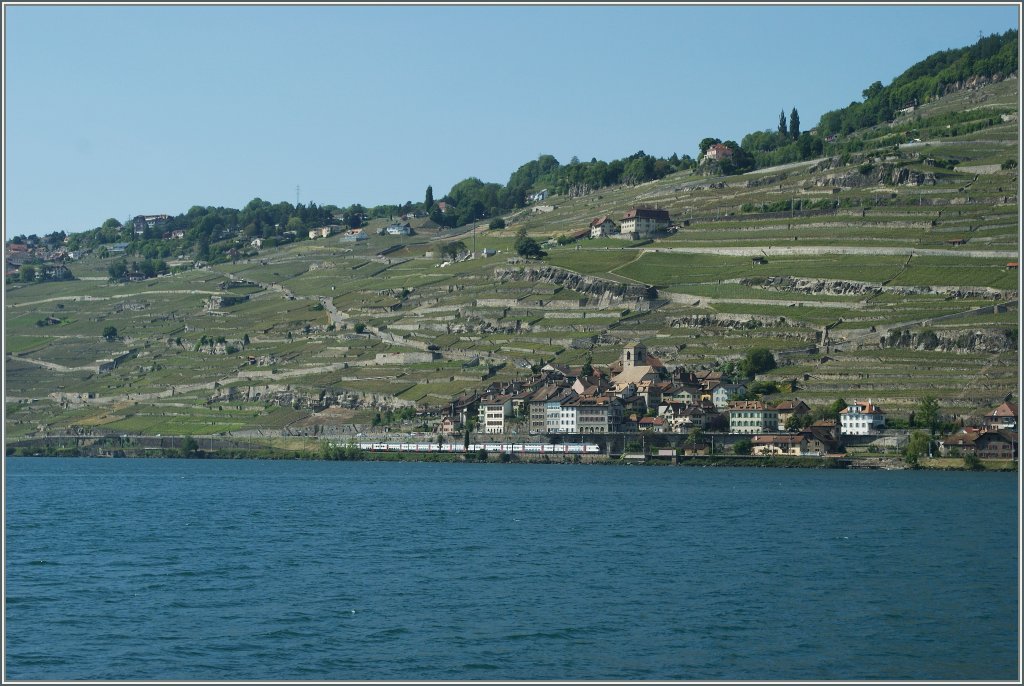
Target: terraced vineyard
x,y
865,288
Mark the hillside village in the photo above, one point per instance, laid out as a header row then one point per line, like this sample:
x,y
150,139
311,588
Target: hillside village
x,y
880,278
638,393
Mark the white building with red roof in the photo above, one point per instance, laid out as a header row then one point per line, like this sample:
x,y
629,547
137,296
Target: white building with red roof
x,y
1003,417
861,419
643,222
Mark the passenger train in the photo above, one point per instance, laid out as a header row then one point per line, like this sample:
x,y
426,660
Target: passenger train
x,y
539,448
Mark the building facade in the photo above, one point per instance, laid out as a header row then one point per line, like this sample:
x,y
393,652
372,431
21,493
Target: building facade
x,y
861,419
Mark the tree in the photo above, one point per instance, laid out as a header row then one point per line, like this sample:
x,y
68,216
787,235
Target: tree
x,y
928,413
453,250
972,461
782,123
188,446
110,333
497,223
795,422
917,447
27,273
118,269
794,124
428,201
527,247
757,361
872,91
743,447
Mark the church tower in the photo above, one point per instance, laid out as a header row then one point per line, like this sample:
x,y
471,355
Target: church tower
x,y
634,355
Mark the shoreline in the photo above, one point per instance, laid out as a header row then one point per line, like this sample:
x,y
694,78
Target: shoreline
x,y
890,463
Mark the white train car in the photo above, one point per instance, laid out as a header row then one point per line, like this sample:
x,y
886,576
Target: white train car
x,y
531,448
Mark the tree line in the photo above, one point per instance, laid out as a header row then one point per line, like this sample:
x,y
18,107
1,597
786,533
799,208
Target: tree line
x,y
209,233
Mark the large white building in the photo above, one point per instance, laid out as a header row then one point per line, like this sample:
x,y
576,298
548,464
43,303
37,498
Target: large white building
x,y
861,419
643,222
492,411
752,417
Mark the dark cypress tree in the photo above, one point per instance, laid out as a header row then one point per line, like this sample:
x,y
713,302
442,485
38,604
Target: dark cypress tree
x,y
782,123
428,203
794,124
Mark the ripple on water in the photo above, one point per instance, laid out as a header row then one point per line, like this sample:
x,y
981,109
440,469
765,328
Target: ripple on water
x,y
325,571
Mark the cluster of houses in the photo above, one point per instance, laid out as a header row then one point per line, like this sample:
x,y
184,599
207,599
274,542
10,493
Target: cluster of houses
x,y
393,229
638,394
637,223
48,263
996,438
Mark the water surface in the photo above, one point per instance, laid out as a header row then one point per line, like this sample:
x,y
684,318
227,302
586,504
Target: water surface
x,y
218,569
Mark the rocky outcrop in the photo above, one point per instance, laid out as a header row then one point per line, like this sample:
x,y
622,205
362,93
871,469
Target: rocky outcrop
x,y
726,321
973,82
987,341
887,174
286,396
791,284
589,285
902,176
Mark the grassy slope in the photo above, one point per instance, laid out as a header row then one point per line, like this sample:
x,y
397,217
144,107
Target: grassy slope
x,y
170,388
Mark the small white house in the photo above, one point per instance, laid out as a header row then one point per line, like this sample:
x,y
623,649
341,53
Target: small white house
x,y
539,196
321,232
861,419
398,229
354,235
603,226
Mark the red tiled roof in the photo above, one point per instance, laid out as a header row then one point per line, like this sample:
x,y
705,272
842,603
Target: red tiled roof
x,y
647,213
1004,410
862,408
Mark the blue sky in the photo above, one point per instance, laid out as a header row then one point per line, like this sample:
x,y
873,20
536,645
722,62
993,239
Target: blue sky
x,y
113,111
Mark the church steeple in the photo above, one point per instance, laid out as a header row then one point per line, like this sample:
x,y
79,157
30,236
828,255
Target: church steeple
x,y
634,355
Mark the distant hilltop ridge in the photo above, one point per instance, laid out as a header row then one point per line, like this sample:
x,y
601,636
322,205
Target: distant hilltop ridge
x,y
991,59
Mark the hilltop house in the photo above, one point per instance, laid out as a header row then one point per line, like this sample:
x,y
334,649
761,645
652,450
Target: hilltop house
x,y
643,222
718,152
149,221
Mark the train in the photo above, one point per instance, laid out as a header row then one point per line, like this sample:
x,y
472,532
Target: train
x,y
538,448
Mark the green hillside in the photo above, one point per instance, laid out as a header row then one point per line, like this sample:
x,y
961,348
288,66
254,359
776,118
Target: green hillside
x,y
883,274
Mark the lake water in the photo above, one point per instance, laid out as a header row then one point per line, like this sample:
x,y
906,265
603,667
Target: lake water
x,y
245,570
